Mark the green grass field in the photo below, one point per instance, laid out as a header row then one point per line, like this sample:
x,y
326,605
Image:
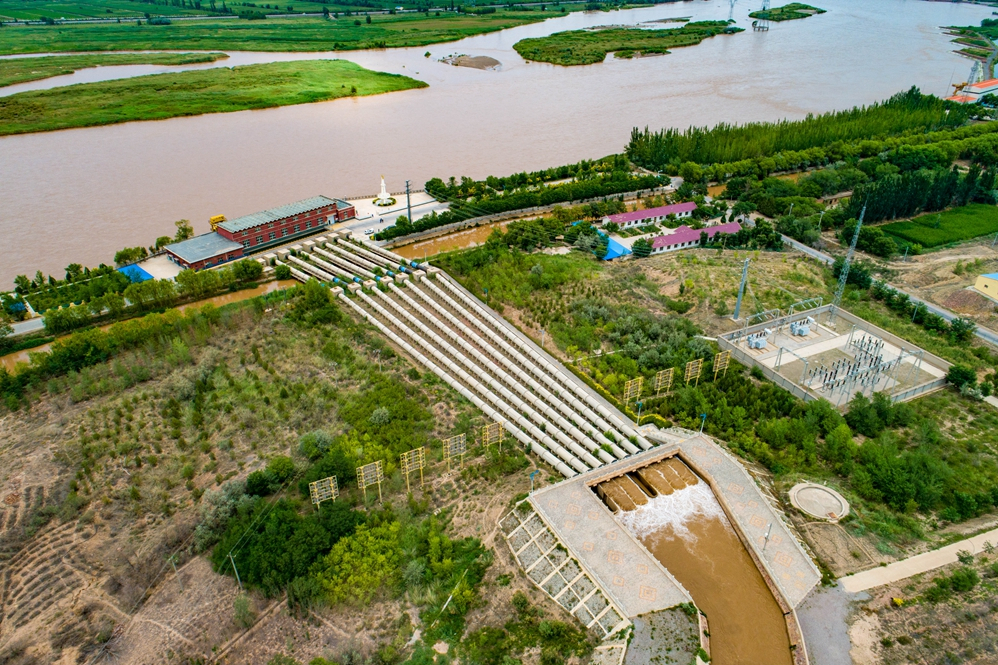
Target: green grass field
x,y
283,34
21,10
22,70
218,90
795,10
971,221
586,47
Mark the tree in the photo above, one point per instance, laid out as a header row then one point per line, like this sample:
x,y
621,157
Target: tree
x,y
247,270
282,272
162,242
184,230
22,284
961,375
641,248
73,272
962,330
198,283
6,341
129,255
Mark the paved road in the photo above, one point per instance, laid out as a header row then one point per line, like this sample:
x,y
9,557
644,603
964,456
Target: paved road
x,y
920,563
984,333
29,326
824,620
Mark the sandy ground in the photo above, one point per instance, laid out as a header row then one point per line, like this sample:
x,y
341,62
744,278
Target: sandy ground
x,y
474,61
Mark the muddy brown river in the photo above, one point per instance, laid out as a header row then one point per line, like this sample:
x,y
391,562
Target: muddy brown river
x,y
676,517
79,195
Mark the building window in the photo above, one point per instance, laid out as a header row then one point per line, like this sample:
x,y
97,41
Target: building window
x,y
271,235
245,244
297,228
322,220
308,225
259,239
284,232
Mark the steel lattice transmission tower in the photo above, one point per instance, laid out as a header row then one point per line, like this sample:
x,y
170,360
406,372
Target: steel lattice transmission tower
x,y
731,10
844,275
763,22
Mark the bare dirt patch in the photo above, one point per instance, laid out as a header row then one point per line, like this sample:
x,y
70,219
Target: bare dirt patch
x,y
474,61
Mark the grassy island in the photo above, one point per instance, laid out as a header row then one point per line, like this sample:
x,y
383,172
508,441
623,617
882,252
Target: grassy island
x,y
22,70
284,34
586,47
192,93
794,10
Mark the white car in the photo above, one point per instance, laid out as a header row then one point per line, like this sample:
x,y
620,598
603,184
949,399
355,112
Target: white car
x,y
368,232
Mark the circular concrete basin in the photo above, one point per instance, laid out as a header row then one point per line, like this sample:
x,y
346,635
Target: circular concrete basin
x,y
819,501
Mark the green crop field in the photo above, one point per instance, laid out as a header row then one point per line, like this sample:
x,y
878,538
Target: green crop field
x,y
281,34
936,229
193,93
21,10
795,10
586,47
22,70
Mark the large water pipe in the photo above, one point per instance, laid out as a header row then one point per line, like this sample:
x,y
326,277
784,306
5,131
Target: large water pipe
x,y
312,270
354,258
540,395
534,447
522,407
511,413
540,370
335,269
297,274
345,265
549,415
566,381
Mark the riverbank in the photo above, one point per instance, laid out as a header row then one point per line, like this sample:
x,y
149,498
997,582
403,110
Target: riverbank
x,y
22,70
587,47
347,33
219,90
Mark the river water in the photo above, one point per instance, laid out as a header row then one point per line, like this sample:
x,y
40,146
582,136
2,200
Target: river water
x,y
79,195
677,518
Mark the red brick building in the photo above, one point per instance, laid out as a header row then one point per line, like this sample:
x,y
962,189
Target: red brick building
x,y
204,251
279,225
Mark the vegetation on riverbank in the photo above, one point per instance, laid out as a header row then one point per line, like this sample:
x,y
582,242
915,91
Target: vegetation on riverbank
x,y
22,70
283,34
866,127
586,47
795,10
220,90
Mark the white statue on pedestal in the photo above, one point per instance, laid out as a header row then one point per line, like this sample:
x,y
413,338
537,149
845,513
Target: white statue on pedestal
x,y
383,198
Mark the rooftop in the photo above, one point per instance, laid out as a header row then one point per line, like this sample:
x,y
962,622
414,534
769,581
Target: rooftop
x,y
202,247
298,207
984,85
674,209
685,234
991,275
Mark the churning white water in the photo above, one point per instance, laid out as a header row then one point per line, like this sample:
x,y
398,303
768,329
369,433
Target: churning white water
x,y
677,510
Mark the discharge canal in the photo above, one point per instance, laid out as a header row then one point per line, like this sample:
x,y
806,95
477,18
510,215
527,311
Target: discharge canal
x,y
677,518
80,195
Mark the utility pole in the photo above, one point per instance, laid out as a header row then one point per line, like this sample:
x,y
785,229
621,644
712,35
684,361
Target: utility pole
x,y
741,290
173,562
408,202
237,571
